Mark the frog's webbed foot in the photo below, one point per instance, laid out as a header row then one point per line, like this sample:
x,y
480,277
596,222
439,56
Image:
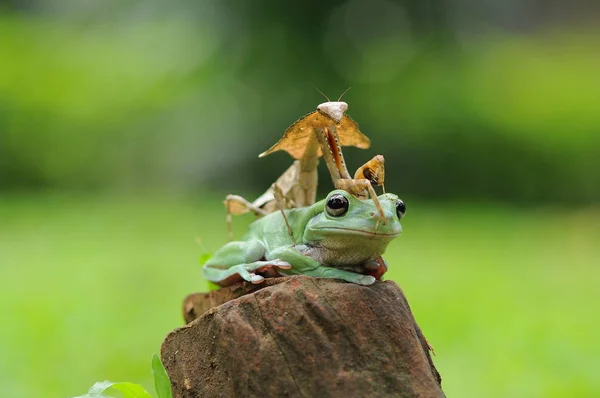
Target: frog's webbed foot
x,y
372,265
304,265
241,260
335,273
376,267
249,272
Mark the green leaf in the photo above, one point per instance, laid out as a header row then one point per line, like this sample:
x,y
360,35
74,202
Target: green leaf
x,y
93,396
161,378
129,390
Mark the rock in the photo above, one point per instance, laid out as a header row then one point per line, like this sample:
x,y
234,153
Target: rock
x,y
301,337
197,304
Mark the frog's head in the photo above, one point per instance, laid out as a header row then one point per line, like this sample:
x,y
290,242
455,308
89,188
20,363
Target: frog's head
x,y
351,229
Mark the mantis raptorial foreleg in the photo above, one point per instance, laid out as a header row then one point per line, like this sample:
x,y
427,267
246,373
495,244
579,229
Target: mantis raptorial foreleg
x,y
334,159
373,170
357,188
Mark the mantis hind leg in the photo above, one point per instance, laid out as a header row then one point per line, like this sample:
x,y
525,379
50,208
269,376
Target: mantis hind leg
x,y
235,204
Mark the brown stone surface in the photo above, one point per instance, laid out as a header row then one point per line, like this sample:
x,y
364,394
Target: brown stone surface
x,y
303,337
197,304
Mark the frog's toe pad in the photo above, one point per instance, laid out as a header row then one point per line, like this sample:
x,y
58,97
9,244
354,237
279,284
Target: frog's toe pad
x,y
281,264
256,279
366,280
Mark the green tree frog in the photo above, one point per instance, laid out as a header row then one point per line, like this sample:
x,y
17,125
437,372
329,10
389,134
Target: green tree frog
x,y
338,237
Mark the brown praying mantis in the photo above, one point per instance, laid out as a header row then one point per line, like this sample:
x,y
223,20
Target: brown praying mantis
x,y
320,133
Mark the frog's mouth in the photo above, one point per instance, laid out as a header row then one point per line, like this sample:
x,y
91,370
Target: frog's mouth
x,y
361,232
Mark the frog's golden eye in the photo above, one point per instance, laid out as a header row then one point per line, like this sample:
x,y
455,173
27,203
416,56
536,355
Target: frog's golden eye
x,y
337,205
400,208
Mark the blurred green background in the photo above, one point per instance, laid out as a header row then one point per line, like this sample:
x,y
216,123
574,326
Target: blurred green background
x,y
124,124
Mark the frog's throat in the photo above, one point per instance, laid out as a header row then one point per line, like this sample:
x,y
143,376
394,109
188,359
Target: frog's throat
x,y
355,231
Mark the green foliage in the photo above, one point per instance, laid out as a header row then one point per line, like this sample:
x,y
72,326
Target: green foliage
x,y
73,101
161,379
128,390
162,384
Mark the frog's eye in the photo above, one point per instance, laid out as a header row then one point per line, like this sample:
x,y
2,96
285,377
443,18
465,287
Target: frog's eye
x,y
400,208
337,205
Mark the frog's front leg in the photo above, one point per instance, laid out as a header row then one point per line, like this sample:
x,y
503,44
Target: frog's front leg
x,y
304,265
239,260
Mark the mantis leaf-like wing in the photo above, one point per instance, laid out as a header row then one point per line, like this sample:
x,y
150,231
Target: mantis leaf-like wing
x,y
300,134
350,135
297,137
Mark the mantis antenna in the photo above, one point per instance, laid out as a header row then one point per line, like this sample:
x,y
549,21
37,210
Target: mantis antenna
x,y
348,89
328,100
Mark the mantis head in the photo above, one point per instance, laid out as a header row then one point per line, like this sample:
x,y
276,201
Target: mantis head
x,y
333,109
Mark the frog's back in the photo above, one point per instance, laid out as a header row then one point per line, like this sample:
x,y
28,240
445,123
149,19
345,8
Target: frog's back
x,y
271,230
